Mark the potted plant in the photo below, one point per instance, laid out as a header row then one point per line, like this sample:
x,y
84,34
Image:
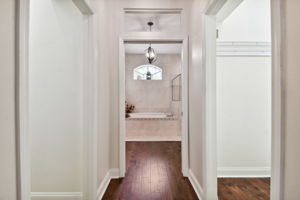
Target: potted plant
x,y
128,109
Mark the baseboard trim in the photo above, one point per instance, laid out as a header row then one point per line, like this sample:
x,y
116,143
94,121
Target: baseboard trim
x,y
171,139
244,172
196,185
111,174
58,195
114,173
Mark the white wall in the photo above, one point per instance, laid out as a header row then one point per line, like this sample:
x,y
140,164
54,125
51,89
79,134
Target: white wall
x,y
244,116
291,100
104,111
156,95
196,93
55,96
244,95
7,102
251,21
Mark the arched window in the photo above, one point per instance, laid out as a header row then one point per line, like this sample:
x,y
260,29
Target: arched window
x,y
147,72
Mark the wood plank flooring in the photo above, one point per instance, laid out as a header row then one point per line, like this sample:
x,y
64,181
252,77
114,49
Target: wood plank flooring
x,y
154,173
244,188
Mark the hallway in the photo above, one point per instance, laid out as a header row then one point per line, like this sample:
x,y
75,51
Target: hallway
x,y
87,84
153,172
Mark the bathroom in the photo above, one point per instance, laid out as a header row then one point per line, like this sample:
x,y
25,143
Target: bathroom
x,y
153,91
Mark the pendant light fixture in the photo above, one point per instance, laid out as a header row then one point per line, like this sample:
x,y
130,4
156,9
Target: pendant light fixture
x,y
148,76
150,53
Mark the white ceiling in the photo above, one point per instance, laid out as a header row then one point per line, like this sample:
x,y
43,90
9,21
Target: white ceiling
x,y
159,48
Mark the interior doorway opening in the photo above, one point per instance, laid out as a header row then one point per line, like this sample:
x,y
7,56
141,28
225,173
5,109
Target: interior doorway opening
x,y
243,91
153,92
173,97
153,118
56,100
231,46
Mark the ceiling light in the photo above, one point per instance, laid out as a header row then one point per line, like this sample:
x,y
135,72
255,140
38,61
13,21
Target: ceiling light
x,y
150,52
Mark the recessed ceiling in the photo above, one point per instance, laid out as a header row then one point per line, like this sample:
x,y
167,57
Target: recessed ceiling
x,y
159,48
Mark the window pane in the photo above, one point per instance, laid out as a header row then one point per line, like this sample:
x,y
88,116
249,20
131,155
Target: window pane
x,y
142,72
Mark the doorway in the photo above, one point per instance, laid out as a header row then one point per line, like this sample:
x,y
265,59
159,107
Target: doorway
x,y
263,55
146,153
153,92
56,100
135,39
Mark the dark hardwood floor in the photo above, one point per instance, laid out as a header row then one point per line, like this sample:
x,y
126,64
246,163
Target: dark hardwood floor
x,y
154,173
244,188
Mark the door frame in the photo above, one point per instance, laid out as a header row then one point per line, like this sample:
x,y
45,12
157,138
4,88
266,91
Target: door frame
x,y
90,85
153,37
278,68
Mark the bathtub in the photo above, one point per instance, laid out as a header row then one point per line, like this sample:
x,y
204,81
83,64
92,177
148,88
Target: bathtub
x,y
149,115
152,126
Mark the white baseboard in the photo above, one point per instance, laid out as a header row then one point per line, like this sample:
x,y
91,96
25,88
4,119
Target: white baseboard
x,y
158,139
114,173
196,185
244,172
111,174
56,195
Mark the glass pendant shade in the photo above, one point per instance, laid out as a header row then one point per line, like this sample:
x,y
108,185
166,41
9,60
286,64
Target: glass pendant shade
x,y
150,55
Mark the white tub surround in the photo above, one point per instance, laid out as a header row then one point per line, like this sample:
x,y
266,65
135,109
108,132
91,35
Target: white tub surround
x,y
150,115
152,127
